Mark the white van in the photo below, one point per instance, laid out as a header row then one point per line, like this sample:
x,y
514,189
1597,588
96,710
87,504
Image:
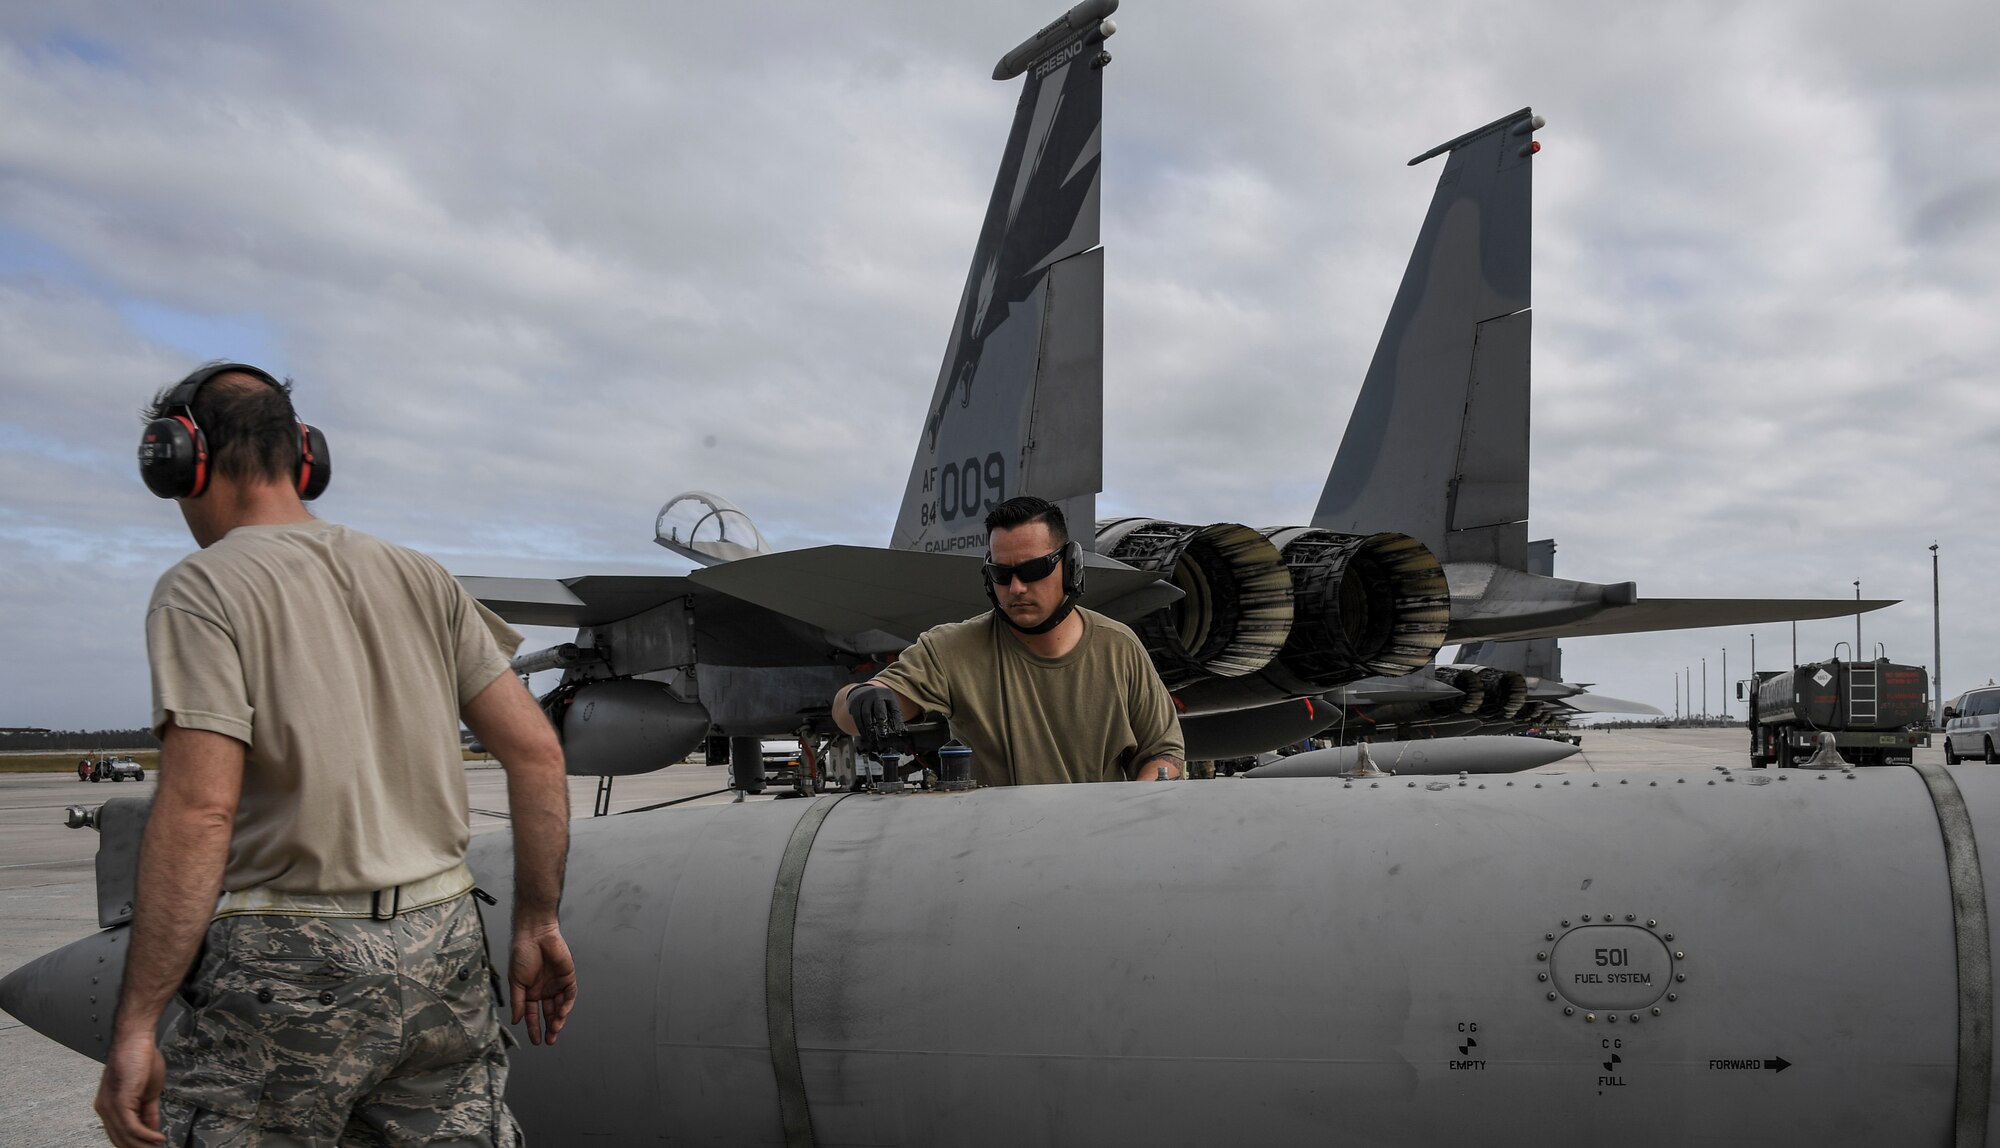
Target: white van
x,y
1972,726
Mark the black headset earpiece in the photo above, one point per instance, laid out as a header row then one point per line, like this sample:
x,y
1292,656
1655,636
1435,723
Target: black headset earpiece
x,y
173,457
173,453
1072,556
315,462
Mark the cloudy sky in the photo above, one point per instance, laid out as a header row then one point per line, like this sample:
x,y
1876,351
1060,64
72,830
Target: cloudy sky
x,y
538,267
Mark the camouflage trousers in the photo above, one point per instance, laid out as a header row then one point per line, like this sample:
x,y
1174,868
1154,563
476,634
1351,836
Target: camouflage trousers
x,y
314,1031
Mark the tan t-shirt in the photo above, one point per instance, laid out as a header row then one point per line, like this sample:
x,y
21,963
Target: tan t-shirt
x,y
342,662
1095,714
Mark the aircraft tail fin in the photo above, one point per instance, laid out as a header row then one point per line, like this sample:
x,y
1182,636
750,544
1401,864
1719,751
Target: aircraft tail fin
x,y
1530,657
1019,403
1437,446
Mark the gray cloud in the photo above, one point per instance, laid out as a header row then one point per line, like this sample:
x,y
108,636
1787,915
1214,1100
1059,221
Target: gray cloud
x,y
536,269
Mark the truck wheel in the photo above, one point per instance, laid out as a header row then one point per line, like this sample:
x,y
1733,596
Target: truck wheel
x,y
1991,757
1950,758
1758,762
1784,750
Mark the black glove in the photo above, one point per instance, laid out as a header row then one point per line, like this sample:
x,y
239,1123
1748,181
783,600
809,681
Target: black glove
x,y
878,718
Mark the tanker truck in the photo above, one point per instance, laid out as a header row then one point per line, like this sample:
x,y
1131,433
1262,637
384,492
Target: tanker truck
x,y
1877,712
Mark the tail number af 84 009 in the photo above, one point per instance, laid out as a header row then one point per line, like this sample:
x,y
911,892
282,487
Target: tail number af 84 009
x,y
964,489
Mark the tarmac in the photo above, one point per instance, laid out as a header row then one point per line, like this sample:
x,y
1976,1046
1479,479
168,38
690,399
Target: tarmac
x,y
48,894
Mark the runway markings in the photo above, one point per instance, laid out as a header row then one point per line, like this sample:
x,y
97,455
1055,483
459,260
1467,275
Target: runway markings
x,y
90,860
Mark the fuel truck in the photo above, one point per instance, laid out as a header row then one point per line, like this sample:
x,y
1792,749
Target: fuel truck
x,y
1878,712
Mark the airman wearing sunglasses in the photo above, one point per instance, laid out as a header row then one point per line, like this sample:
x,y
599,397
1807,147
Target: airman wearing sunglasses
x,y
1041,689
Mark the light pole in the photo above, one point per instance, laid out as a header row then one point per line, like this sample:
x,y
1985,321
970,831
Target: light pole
x,y
1687,679
1937,647
1725,683
1704,689
1677,696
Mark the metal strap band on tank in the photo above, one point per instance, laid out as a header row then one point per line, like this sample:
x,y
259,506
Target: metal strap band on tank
x,y
1975,955
779,1019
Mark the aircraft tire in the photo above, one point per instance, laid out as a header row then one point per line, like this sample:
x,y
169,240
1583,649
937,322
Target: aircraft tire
x,y
1991,757
1950,758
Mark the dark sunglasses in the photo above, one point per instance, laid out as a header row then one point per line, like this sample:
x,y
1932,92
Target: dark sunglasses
x,y
1033,570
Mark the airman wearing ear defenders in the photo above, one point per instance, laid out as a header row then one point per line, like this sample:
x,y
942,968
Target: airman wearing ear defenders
x,y
1041,689
305,855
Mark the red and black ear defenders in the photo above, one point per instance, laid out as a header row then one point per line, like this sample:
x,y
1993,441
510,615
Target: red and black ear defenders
x,y
1072,575
173,453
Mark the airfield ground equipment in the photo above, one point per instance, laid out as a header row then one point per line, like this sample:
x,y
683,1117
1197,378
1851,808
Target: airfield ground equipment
x,y
1878,712
109,768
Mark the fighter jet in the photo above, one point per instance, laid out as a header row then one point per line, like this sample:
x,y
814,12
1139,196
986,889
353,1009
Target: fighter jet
x,y
1433,467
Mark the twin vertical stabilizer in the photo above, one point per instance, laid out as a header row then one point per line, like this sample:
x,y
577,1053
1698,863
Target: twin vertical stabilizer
x,y
1453,357
1019,402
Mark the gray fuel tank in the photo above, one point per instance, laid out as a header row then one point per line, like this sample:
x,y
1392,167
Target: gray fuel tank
x,y
1648,958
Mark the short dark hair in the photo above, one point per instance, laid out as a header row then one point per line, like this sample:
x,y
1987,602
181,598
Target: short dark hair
x,y
248,421
1023,509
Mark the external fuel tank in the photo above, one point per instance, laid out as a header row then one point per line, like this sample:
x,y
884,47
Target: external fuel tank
x,y
1646,958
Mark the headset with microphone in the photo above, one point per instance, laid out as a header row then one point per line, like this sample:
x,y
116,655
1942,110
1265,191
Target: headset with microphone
x,y
173,452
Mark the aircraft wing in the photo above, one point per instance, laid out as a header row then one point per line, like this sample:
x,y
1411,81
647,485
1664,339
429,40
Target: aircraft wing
x,y
848,589
595,600
1590,703
1649,614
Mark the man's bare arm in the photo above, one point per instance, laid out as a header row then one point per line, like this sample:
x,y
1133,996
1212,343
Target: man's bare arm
x,y
180,873
1149,770
506,720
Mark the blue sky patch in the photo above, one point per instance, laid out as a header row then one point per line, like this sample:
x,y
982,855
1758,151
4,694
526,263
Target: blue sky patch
x,y
239,338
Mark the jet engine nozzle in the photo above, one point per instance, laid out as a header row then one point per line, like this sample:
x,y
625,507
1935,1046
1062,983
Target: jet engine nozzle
x,y
1236,609
1466,680
1505,692
1363,605
616,726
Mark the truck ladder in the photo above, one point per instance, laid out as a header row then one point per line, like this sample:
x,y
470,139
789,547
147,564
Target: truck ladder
x,y
1861,696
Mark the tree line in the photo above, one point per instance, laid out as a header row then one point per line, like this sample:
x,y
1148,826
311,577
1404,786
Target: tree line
x,y
80,740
